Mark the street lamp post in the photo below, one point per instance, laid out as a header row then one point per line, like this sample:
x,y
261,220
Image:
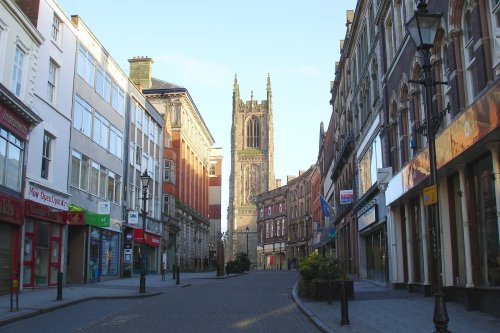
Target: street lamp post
x,y
306,218
247,230
422,28
145,179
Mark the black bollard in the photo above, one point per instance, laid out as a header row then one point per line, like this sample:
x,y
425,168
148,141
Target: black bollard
x,y
177,276
344,309
59,286
329,291
173,271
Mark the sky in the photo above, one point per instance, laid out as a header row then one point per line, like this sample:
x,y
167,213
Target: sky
x,y
201,45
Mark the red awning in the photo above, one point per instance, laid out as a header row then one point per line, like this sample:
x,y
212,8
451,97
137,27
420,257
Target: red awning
x,y
150,239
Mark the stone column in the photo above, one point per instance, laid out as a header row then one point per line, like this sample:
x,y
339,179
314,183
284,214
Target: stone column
x,y
465,225
409,238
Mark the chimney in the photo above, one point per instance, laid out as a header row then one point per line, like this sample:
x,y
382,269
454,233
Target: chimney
x,y
140,71
278,183
30,9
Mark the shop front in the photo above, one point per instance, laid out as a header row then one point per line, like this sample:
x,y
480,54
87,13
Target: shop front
x,y
11,219
45,212
150,243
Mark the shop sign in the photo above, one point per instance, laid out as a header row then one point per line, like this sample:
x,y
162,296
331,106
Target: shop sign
x,y
133,217
430,195
97,220
346,197
75,218
45,213
149,239
11,209
46,197
367,217
104,207
14,123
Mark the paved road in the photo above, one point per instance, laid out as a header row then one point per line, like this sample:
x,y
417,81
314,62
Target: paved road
x,y
255,302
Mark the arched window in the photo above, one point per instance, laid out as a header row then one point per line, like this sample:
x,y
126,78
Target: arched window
x,y
471,87
404,126
253,133
394,138
418,105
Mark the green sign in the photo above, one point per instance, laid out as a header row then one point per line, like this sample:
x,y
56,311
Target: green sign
x,y
97,220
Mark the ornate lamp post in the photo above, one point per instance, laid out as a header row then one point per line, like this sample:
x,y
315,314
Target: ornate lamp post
x,y
247,231
422,28
145,179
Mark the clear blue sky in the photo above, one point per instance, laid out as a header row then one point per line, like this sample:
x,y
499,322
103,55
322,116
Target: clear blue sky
x,y
201,45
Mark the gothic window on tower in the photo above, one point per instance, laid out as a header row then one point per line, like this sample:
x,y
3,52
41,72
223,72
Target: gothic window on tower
x,y
253,133
252,177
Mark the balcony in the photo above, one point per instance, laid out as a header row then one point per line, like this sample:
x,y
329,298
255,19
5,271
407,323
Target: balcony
x,y
346,149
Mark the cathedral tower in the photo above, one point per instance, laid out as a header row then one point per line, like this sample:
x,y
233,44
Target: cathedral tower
x,y
252,169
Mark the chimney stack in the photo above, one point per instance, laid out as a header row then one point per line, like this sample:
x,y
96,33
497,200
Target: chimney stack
x,y
140,71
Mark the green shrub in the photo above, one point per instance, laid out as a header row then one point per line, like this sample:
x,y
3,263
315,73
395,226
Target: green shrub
x,y
240,264
315,267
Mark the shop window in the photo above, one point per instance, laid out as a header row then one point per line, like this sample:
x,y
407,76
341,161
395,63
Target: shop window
x,y
11,153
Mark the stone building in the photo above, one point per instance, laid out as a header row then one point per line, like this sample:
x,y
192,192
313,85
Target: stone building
x,y
186,167
252,168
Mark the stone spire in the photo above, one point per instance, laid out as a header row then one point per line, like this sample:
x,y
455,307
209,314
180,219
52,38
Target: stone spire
x,y
269,94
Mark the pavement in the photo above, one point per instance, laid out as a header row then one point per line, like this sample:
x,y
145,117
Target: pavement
x,y
375,308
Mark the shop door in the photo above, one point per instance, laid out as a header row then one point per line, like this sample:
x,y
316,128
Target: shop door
x,y
41,258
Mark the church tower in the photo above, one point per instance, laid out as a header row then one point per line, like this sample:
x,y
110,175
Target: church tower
x,y
252,169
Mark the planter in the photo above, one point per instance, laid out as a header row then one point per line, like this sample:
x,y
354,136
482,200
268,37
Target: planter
x,y
319,289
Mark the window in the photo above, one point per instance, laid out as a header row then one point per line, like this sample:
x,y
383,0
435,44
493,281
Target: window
x,y
56,29
51,83
101,130
121,101
212,170
116,142
280,207
107,87
138,116
11,160
253,133
114,96
389,40
169,171
111,186
495,34
99,81
17,71
84,173
469,59
86,65
94,178
83,116
76,159
131,153
269,210
169,205
46,155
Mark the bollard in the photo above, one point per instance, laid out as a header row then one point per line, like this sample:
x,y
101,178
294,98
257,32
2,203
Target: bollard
x,y
177,275
173,271
14,292
344,309
329,291
59,286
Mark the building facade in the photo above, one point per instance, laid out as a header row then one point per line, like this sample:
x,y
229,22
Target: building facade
x,y
215,200
19,46
191,143
378,96
272,229
252,168
300,216
47,164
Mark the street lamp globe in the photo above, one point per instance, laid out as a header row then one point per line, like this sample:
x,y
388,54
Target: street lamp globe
x,y
423,27
145,179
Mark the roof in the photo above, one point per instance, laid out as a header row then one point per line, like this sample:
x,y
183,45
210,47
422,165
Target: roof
x,y
160,84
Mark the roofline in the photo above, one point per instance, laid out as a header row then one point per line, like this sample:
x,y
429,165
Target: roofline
x,y
180,90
